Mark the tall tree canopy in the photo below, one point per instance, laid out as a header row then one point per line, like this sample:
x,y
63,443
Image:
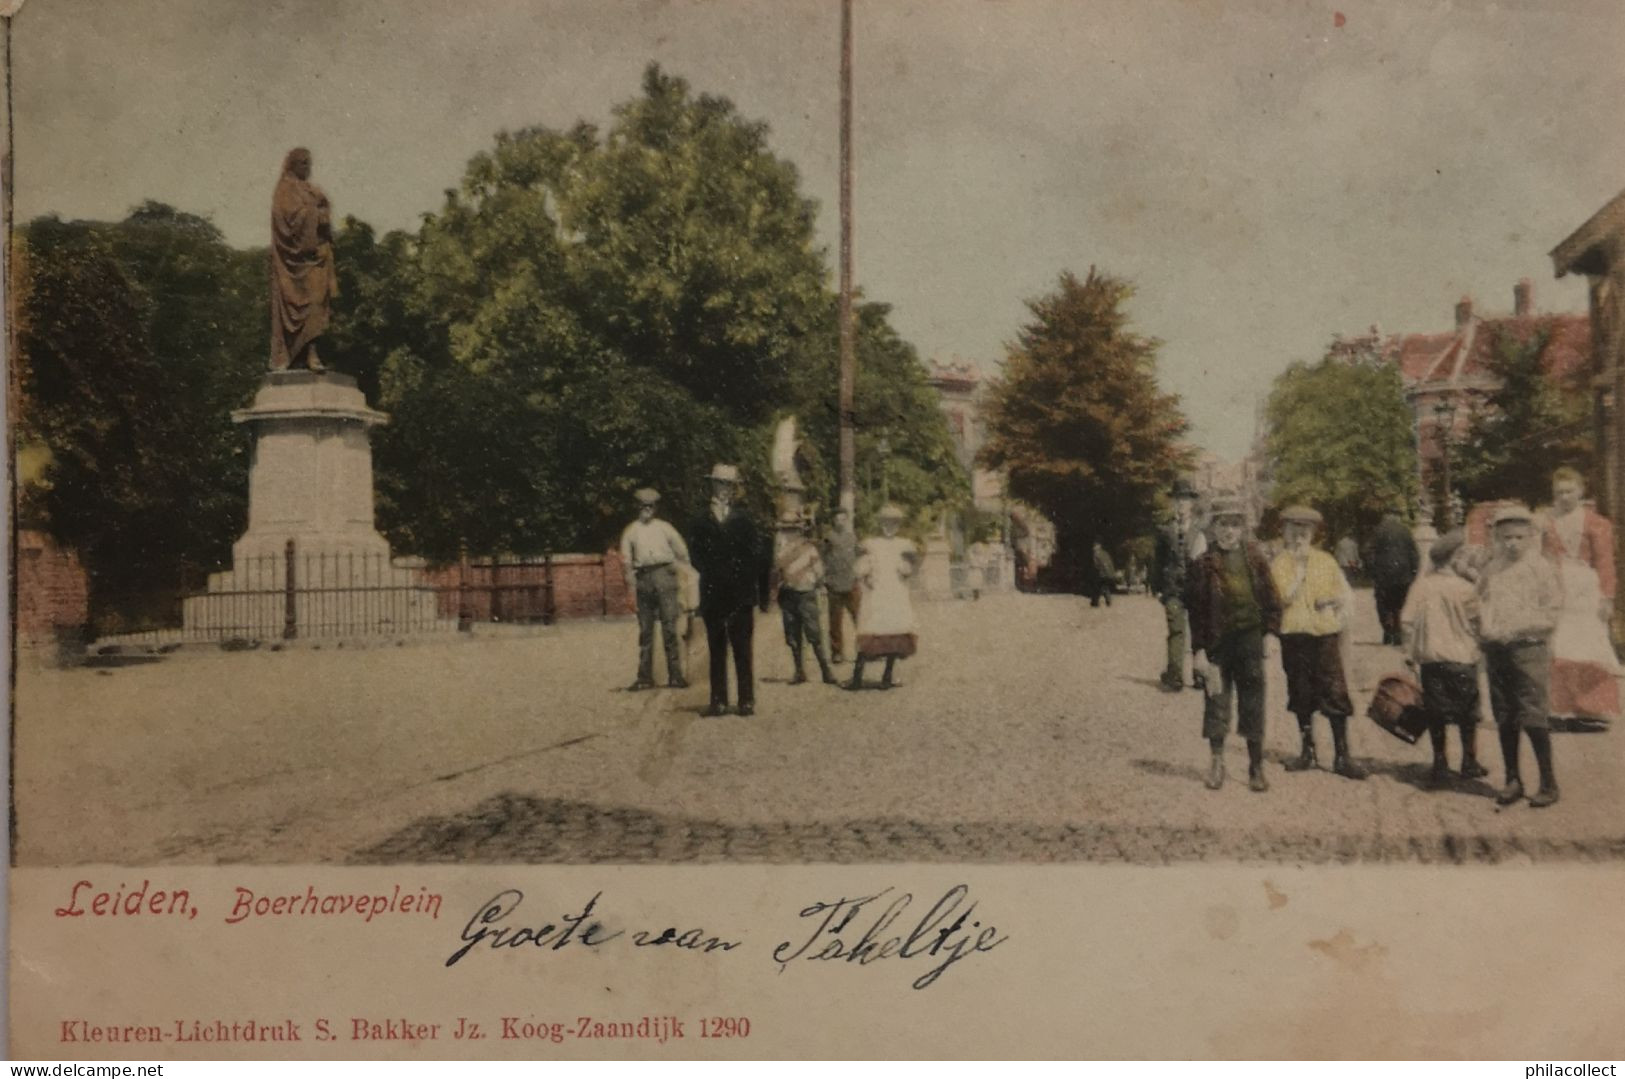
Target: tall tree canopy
x,y
1341,440
136,340
1078,420
1533,424
588,314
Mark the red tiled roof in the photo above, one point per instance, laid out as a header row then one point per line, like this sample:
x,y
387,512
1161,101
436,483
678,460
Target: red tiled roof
x,y
1419,355
1443,358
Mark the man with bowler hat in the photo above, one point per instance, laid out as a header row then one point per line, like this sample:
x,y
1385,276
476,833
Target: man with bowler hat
x,y
732,557
650,551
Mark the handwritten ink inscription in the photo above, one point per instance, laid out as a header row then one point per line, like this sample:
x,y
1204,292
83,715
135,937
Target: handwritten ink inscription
x,y
857,930
925,936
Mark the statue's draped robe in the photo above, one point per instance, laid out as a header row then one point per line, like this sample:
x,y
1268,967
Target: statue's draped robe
x,y
302,280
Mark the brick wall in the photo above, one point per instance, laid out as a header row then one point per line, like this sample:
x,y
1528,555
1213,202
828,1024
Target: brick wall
x,y
515,590
53,593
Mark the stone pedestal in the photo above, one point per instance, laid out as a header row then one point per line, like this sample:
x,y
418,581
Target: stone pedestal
x,y
310,514
1425,536
788,502
310,479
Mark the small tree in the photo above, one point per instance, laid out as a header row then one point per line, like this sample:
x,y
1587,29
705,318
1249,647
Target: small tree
x,y
1341,439
1533,423
1078,421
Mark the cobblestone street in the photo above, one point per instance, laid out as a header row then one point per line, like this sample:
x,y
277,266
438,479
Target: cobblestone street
x,y
1029,728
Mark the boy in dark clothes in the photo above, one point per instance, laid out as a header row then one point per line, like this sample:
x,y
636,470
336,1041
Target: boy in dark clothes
x,y
1233,605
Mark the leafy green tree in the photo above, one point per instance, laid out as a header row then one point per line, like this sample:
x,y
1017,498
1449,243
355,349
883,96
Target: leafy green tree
x,y
591,313
1079,422
895,409
372,315
1341,440
1533,424
136,341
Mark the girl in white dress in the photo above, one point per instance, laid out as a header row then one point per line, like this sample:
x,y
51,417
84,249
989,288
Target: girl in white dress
x,y
886,615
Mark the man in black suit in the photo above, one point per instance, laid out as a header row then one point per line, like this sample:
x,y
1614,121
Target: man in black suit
x,y
732,556
1393,561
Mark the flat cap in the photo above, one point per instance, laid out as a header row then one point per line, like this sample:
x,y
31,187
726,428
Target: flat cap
x,y
1510,513
648,496
1301,514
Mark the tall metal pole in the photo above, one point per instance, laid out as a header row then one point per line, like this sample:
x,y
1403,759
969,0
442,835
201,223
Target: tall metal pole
x,y
849,362
7,173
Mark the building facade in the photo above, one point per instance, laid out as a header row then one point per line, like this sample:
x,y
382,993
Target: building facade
x,y
1597,250
1449,376
1026,538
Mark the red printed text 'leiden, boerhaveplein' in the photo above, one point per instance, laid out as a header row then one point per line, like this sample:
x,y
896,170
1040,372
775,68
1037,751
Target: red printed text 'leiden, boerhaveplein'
x,y
86,899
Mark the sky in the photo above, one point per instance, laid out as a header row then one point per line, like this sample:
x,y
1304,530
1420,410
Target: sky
x,y
1267,174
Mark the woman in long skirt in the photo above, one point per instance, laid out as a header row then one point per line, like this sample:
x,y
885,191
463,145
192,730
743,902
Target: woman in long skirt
x,y
886,616
1585,673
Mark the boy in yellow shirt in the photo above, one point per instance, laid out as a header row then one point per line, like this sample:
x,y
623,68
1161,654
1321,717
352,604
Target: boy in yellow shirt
x,y
1315,605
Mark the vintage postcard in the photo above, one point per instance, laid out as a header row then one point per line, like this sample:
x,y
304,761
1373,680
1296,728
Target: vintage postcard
x,y
816,528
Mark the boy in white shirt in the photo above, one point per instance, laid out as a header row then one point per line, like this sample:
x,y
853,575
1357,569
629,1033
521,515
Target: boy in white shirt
x,y
1439,623
1519,598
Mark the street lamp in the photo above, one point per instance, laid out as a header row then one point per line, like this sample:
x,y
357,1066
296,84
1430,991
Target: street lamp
x,y
1444,427
884,447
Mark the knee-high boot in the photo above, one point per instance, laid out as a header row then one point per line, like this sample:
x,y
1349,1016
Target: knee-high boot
x,y
1342,764
1509,754
1541,741
857,674
1305,760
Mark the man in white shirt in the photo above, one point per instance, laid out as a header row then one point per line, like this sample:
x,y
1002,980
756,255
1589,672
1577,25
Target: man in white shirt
x,y
650,551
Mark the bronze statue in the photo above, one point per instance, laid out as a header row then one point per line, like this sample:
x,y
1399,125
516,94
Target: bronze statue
x,y
303,281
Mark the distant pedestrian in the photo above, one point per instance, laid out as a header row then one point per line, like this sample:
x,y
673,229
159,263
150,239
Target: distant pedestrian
x,y
1392,563
1102,577
1315,606
1519,601
1579,541
1347,553
734,562
841,581
886,628
1134,576
801,575
651,550
1232,603
1169,572
1440,627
